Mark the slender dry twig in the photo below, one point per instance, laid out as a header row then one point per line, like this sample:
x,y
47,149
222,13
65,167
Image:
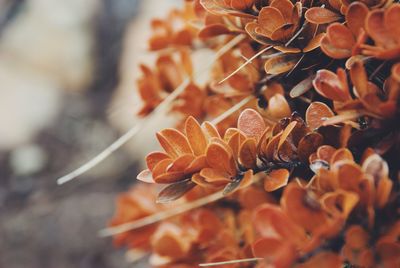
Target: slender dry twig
x,y
245,64
229,262
160,216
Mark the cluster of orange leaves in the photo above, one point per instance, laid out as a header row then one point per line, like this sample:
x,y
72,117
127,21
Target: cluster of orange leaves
x,y
307,169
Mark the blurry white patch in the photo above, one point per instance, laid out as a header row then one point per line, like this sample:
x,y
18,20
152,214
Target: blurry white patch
x,y
27,159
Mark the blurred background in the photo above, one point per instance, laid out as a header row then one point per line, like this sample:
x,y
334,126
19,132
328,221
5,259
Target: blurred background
x,y
67,90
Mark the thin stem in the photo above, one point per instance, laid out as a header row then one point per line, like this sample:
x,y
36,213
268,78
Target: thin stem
x,y
297,64
160,216
245,63
296,34
229,262
377,70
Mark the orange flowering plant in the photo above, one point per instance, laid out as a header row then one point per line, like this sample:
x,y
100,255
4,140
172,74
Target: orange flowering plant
x,y
287,153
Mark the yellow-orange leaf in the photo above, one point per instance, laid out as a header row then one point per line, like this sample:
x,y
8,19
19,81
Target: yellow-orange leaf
x,y
195,136
248,153
276,179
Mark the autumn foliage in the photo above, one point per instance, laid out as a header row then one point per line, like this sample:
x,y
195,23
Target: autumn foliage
x,y
297,127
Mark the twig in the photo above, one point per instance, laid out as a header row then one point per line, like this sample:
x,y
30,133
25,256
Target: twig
x,y
160,216
244,64
229,262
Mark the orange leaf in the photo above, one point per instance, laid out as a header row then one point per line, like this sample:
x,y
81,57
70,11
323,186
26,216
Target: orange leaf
x,y
320,15
174,142
341,154
286,133
170,177
234,143
248,153
317,113
329,85
339,203
303,207
383,192
215,176
210,130
325,153
247,179
356,237
154,158
355,17
349,175
213,30
308,145
276,179
195,136
161,167
278,106
281,64
314,43
360,79
251,123
196,165
270,220
169,241
270,19
275,252
219,158
181,163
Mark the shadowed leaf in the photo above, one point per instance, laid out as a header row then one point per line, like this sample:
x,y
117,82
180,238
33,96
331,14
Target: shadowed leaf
x,y
174,191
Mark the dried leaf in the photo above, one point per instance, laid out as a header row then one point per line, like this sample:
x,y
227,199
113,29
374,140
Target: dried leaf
x,y
174,142
285,134
248,153
251,123
308,145
195,136
281,64
320,15
355,17
170,177
215,176
276,179
161,167
175,191
302,87
209,130
303,207
146,176
181,163
154,158
278,107
317,113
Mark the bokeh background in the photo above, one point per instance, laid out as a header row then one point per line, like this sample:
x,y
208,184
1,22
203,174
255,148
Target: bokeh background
x,y
67,90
